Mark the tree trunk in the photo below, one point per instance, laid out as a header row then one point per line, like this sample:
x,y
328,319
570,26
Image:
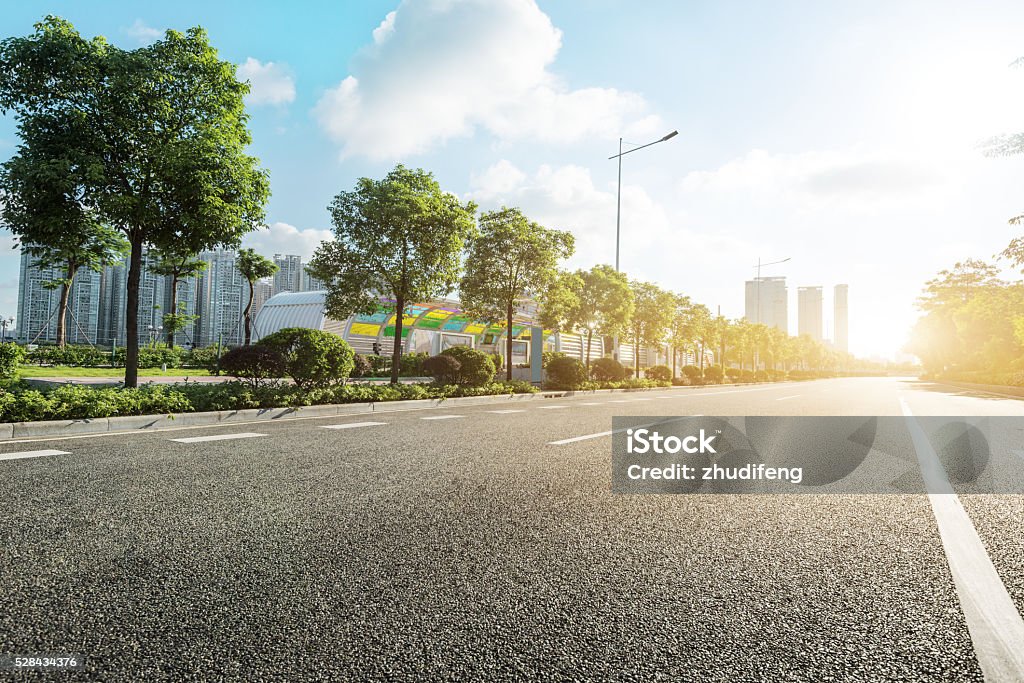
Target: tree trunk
x,y
702,358
590,334
131,317
675,354
174,312
508,344
396,353
62,306
248,316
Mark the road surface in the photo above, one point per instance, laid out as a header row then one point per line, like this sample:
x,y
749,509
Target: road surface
x,y
483,542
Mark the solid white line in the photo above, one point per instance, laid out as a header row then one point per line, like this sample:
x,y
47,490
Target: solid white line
x,y
30,454
785,398
993,621
504,412
218,437
551,407
442,417
352,425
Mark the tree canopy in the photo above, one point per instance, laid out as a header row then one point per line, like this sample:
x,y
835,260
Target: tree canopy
x,y
158,135
400,237
510,259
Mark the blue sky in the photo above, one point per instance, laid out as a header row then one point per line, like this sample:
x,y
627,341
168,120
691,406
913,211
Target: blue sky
x,y
842,135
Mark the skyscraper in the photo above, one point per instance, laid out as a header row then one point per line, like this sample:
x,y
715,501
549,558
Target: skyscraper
x,y
288,278
772,310
809,312
310,283
842,318
221,297
37,304
114,301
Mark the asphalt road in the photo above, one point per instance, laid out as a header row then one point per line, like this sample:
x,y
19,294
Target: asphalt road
x,y
473,547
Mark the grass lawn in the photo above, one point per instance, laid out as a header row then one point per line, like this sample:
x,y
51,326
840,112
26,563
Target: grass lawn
x,y
69,371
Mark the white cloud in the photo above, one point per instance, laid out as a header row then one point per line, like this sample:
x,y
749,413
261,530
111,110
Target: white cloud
x,y
142,33
443,69
270,83
282,238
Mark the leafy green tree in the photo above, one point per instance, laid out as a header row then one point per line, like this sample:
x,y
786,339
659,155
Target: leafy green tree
x,y
159,133
653,308
598,299
253,267
401,237
511,259
177,264
681,332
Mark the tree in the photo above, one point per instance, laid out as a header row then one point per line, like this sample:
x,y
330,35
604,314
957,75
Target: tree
x,y
253,267
177,264
511,258
1007,145
597,299
400,237
46,204
652,314
681,333
159,133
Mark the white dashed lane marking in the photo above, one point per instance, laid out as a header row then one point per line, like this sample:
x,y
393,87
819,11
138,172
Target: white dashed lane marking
x,y
552,407
30,454
442,417
353,425
218,437
505,412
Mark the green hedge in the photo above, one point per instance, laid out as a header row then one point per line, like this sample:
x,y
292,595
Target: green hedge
x,y
75,402
11,358
73,355
154,356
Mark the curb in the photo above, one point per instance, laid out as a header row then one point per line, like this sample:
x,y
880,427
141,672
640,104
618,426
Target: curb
x,y
149,423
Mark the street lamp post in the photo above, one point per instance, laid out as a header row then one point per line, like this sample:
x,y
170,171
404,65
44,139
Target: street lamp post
x,y
618,205
5,322
757,352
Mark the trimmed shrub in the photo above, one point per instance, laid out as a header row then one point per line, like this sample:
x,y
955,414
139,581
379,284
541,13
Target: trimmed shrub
x,y
443,368
11,358
566,373
361,366
692,373
659,373
498,360
313,358
607,369
548,356
712,374
153,356
475,367
762,376
254,364
72,355
205,357
733,374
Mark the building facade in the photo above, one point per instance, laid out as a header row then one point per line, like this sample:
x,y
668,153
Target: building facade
x,y
221,296
841,312
38,303
809,312
767,302
288,277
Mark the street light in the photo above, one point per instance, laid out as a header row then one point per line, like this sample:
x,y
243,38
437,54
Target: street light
x,y
618,194
618,207
5,322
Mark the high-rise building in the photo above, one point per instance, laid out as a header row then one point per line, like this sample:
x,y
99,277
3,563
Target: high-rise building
x,y
153,302
310,283
221,297
766,302
262,291
186,305
842,317
38,303
809,312
288,277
